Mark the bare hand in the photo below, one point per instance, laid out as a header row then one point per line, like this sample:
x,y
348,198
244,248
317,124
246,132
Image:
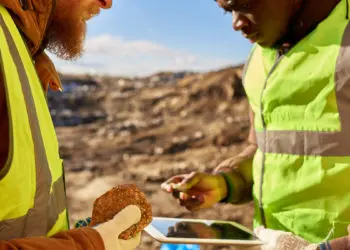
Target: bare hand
x,y
197,190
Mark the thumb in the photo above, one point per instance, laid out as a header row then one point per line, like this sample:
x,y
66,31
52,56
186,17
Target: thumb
x,y
130,244
127,217
189,181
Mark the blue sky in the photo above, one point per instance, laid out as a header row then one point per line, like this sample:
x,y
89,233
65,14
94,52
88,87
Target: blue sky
x,y
141,37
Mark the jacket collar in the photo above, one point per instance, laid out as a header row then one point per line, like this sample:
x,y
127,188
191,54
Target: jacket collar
x,y
32,18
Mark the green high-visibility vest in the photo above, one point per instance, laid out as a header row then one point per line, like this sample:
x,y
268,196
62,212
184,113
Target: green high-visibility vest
x,y
32,200
301,103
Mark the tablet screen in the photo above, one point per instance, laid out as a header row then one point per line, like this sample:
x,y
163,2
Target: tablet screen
x,y
200,230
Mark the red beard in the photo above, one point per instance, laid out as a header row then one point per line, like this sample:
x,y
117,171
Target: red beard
x,y
67,30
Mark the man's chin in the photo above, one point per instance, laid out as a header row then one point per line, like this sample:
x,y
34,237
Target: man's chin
x,y
66,52
265,44
67,47
66,41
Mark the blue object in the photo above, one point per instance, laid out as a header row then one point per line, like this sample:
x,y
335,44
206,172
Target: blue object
x,y
179,247
82,223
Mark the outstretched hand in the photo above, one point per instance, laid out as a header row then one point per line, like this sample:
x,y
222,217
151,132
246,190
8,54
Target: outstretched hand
x,y
197,190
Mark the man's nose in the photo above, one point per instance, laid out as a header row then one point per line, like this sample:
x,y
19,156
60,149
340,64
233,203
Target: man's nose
x,y
239,21
105,4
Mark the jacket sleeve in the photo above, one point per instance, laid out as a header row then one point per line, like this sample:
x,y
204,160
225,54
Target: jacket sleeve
x,y
76,239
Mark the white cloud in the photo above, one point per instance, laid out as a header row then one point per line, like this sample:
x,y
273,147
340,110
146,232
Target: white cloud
x,y
116,46
112,55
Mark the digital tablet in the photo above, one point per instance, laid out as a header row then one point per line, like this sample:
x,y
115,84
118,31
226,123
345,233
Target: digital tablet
x,y
198,231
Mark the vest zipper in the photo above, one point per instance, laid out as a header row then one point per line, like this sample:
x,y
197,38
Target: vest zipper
x,y
262,213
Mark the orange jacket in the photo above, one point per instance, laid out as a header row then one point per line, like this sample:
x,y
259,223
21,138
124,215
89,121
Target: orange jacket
x,y
33,23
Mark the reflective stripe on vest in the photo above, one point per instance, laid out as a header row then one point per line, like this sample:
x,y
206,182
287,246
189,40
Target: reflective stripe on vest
x,y
322,143
33,201
301,103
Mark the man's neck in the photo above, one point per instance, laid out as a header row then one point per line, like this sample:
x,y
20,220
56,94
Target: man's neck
x,y
311,13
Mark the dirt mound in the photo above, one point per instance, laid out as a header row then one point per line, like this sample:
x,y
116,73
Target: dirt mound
x,y
152,130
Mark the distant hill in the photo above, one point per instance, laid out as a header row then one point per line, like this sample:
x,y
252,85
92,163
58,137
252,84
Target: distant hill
x,y
85,98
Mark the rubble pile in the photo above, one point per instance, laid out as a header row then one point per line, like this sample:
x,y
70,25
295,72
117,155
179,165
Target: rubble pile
x,y
76,103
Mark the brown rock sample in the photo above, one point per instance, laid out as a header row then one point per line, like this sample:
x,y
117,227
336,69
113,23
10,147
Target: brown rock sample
x,y
112,202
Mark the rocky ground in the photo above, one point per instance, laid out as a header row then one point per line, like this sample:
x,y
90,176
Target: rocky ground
x,y
148,130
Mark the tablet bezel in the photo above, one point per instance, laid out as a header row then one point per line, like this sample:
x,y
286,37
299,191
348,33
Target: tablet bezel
x,y
152,231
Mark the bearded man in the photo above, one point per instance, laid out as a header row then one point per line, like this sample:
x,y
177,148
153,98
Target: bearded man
x,y
33,212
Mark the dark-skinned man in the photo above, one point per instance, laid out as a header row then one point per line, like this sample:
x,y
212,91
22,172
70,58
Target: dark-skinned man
x,y
297,166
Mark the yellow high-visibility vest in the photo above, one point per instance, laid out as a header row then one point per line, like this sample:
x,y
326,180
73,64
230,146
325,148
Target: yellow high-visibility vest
x,y
301,102
32,200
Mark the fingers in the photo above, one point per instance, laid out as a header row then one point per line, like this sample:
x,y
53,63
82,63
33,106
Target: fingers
x,y
191,203
131,243
168,185
181,182
181,188
126,218
188,182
